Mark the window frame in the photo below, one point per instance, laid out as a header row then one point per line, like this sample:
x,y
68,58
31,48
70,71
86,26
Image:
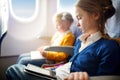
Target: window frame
x,y
25,19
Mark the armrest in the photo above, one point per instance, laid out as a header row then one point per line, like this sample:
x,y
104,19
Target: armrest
x,y
105,78
67,49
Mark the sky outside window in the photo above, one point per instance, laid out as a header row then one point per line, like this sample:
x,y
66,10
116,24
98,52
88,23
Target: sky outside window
x,y
23,8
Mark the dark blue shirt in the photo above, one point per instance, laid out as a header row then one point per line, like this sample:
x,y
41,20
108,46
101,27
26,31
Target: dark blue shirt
x,y
99,58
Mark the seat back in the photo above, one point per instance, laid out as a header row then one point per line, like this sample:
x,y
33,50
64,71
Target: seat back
x,y
1,39
117,39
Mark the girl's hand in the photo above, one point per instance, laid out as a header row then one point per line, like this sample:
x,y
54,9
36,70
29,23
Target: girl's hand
x,y
42,51
77,76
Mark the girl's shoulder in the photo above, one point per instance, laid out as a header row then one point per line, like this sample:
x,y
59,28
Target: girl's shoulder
x,y
109,43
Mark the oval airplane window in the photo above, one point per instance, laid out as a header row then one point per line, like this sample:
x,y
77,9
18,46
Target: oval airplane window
x,y
23,9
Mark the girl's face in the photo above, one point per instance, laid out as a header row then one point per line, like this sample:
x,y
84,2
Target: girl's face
x,y
86,22
62,26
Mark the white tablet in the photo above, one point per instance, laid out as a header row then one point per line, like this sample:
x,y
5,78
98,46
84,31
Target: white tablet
x,y
40,72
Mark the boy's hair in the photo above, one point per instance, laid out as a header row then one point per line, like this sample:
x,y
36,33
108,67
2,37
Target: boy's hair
x,y
63,16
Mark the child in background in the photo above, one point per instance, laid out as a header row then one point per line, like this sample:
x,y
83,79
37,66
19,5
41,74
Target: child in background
x,y
63,37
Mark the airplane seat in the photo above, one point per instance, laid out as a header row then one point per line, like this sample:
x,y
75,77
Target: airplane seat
x,y
1,39
105,78
117,39
75,30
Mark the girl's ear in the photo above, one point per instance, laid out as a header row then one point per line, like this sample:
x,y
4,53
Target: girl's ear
x,y
96,15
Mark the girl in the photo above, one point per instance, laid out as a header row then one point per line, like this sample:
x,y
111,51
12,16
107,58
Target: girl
x,y
63,37
98,53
